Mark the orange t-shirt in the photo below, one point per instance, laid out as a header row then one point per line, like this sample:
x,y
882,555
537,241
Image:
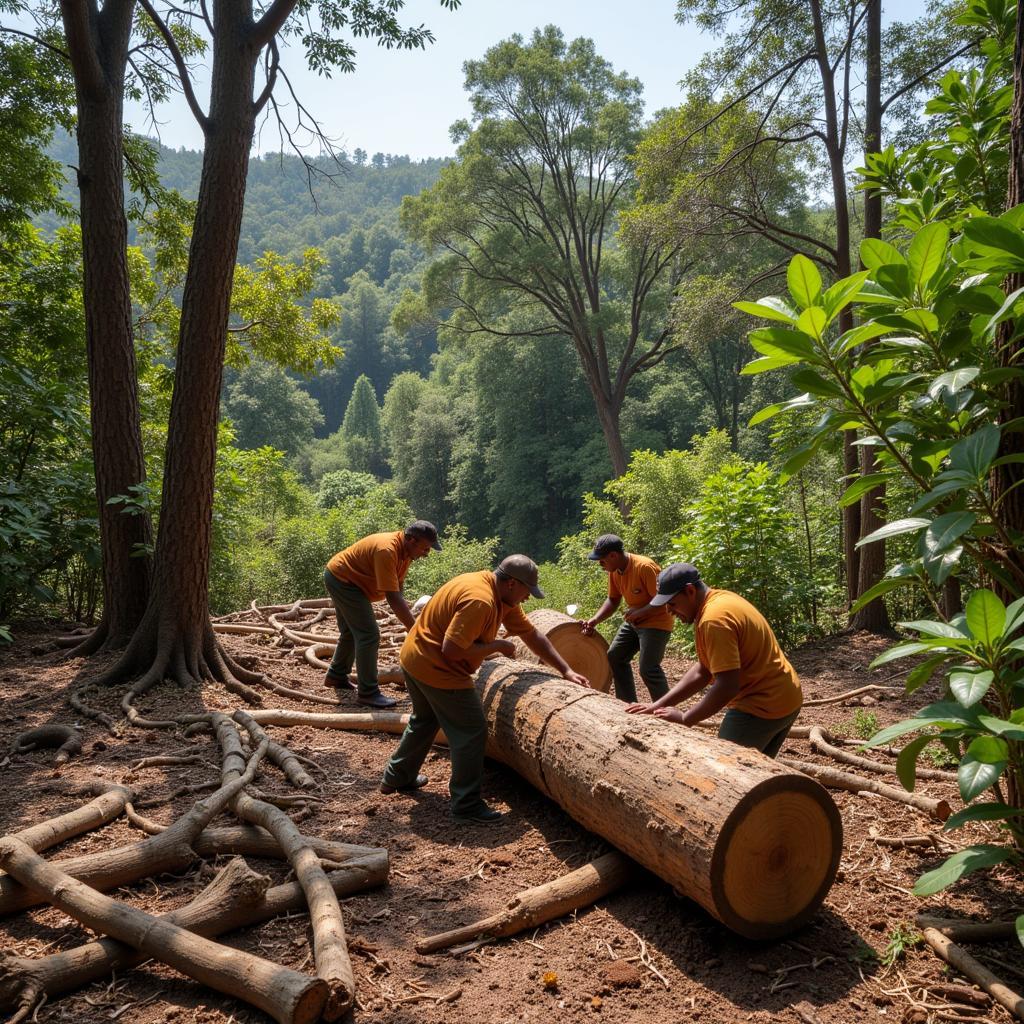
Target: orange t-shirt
x,y
638,583
466,609
731,633
376,564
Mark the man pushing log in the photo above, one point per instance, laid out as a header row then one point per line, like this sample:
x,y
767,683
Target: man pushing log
x,y
737,653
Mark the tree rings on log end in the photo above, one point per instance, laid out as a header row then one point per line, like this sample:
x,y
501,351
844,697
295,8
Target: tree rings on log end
x,y
776,857
587,655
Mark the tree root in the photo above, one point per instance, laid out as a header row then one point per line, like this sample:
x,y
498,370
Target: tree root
x,y
938,809
288,996
968,931
839,698
110,803
533,907
821,743
76,698
330,949
66,739
288,762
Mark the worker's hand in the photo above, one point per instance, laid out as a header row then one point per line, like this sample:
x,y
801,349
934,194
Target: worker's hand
x,y
505,648
669,715
640,709
575,677
634,615
587,627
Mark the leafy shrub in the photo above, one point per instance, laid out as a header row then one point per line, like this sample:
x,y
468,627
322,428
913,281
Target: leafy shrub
x,y
342,486
459,554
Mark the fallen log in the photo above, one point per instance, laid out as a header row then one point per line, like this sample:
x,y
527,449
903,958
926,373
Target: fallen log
x,y
937,809
962,961
586,654
533,907
756,845
236,898
365,721
109,804
288,996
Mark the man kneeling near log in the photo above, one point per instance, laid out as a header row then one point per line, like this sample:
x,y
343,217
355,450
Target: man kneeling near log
x,y
738,653
454,633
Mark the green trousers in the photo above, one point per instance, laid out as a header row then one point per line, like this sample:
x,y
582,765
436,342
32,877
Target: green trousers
x,y
764,734
461,715
651,644
358,634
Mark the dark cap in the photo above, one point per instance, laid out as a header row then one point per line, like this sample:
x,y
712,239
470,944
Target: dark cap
x,y
428,531
605,545
672,579
523,570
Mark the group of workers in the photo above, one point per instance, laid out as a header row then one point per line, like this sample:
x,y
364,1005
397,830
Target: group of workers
x,y
739,662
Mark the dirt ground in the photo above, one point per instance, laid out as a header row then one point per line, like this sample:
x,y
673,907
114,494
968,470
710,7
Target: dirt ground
x,y
442,875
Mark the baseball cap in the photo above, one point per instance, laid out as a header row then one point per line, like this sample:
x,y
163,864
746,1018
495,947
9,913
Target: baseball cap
x,y
605,545
672,579
522,569
421,528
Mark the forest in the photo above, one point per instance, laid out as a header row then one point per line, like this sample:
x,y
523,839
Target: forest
x,y
774,331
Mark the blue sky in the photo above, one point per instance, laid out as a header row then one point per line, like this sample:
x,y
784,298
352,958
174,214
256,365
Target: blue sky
x,y
404,102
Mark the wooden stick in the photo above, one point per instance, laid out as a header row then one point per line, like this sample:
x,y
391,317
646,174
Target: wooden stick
x,y
533,907
821,742
108,805
370,721
968,931
236,898
839,698
962,961
288,996
938,809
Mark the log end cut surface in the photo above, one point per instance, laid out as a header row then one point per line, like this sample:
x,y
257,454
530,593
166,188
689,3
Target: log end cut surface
x,y
776,857
587,655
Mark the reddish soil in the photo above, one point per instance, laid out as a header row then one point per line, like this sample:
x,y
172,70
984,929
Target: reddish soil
x,y
443,875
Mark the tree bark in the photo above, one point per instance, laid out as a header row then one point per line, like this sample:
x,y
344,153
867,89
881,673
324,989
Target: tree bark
x,y
756,845
288,996
98,46
236,898
533,907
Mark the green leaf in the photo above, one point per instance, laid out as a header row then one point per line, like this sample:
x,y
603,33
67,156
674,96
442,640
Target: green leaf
x,y
861,486
1014,617
933,627
1001,727
920,675
775,341
989,750
875,253
895,279
989,811
989,235
894,529
804,281
901,651
974,454
974,858
974,777
970,687
926,252
815,384
906,762
767,363
1019,928
944,531
769,411
894,731
953,380
842,292
769,308
813,321
858,335
986,616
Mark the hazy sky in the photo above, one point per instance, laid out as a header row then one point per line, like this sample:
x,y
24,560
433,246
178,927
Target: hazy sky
x,y
404,102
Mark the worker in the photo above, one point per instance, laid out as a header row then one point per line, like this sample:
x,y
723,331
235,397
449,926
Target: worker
x,y
372,569
453,635
737,653
645,628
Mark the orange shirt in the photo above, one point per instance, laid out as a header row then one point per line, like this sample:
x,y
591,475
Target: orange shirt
x,y
638,583
731,633
376,564
466,609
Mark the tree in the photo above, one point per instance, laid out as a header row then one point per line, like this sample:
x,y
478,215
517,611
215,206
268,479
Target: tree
x,y
174,636
524,220
361,430
268,408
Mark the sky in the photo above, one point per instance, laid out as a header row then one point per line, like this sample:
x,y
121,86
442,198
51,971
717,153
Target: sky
x,y
404,102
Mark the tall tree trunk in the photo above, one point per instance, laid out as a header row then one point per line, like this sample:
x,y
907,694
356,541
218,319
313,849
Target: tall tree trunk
x,y
608,417
1007,489
98,46
175,637
874,616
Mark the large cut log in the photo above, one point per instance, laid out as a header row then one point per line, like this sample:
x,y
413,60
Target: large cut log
x,y
755,844
588,655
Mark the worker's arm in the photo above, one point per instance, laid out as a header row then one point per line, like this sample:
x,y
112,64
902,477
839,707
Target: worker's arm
x,y
604,612
724,689
452,652
400,607
695,679
636,616
543,648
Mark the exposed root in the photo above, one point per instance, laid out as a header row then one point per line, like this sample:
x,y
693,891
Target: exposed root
x,y
839,698
76,698
821,743
66,739
279,755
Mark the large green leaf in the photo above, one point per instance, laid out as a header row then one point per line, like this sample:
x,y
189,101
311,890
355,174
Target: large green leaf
x,y
924,257
906,762
836,297
767,363
861,486
894,731
1001,727
974,454
804,281
990,811
945,530
989,235
894,529
901,651
941,565
989,749
1014,617
813,321
815,384
858,335
970,687
804,401
953,380
934,627
974,858
974,777
771,341
986,616
875,253
920,674
895,279
771,307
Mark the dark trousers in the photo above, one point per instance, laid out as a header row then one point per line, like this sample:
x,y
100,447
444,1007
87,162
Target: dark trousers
x,y
358,634
461,715
764,734
651,644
